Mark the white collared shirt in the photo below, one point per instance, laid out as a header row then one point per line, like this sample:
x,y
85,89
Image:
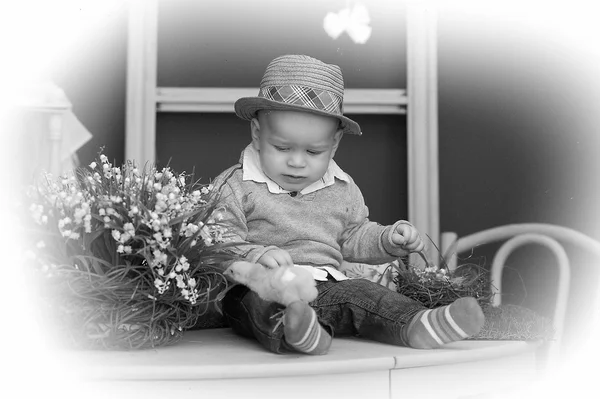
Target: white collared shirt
x,y
253,171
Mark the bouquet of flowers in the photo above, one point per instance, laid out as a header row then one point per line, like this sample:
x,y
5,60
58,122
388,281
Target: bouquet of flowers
x,y
125,258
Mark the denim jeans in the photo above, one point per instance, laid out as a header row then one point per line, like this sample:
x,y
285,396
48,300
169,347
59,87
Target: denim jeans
x,y
355,307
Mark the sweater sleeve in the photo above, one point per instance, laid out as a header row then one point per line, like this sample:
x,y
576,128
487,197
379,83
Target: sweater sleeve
x,y
364,241
234,219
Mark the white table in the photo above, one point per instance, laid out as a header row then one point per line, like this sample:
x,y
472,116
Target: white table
x,y
218,363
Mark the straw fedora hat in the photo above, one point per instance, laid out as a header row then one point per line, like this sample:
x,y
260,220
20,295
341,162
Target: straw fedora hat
x,y
300,83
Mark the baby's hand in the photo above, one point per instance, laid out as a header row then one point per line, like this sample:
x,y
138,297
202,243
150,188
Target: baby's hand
x,y
407,236
275,258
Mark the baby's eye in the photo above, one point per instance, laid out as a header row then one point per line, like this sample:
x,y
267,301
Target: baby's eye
x,y
278,148
312,152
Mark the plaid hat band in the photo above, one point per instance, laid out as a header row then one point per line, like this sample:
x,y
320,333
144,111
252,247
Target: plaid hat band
x,y
321,100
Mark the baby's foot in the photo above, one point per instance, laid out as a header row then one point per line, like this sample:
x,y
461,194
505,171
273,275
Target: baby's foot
x,y
302,330
432,328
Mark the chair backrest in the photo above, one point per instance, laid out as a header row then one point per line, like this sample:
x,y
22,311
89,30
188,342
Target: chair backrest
x,y
518,235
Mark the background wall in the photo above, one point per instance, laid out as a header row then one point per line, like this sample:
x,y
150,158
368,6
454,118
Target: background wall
x,y
93,76
519,97
518,101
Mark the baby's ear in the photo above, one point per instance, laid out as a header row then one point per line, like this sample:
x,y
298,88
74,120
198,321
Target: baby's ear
x,y
337,137
255,132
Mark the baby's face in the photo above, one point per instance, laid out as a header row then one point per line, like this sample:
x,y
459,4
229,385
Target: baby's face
x,y
295,147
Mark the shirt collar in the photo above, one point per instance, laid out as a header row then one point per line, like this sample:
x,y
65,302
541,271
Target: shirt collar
x,y
252,171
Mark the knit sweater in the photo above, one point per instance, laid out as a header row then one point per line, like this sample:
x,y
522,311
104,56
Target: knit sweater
x,y
319,228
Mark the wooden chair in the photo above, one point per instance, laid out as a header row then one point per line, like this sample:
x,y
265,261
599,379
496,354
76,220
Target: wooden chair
x,y
519,235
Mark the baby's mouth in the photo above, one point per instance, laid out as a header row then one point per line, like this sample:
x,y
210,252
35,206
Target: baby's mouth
x,y
292,177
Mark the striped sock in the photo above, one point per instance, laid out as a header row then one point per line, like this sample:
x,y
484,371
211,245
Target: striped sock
x,y
302,330
434,327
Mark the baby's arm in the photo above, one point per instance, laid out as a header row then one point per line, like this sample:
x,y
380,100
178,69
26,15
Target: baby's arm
x,y
234,219
365,241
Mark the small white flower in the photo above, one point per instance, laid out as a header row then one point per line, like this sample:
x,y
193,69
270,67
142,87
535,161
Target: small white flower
x,y
161,285
129,229
180,282
93,165
160,206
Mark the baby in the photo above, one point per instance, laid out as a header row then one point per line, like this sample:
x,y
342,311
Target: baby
x,y
288,203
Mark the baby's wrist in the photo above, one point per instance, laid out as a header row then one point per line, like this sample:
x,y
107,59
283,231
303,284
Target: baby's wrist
x,y
390,247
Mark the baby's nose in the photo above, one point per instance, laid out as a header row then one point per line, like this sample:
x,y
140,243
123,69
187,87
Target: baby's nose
x,y
296,160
